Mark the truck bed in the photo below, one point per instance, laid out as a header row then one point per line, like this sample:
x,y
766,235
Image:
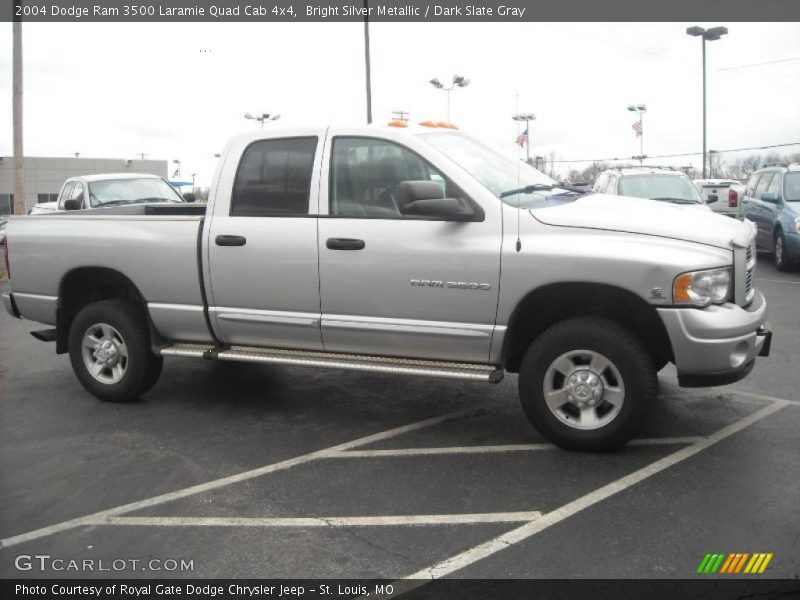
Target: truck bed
x,y
158,253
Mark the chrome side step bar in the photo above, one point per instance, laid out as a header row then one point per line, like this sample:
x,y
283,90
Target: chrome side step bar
x,y
354,362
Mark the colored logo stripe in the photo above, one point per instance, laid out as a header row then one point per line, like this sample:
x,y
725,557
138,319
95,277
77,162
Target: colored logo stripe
x,y
734,563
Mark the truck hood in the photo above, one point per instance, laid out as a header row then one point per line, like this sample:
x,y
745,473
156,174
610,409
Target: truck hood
x,y
648,217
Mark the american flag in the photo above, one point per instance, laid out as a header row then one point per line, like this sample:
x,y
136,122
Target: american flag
x,y
522,138
637,127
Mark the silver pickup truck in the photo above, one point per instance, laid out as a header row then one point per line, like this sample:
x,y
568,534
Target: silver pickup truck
x,y
412,251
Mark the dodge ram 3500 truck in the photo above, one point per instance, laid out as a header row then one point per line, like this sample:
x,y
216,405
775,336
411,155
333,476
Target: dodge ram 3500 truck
x,y
416,251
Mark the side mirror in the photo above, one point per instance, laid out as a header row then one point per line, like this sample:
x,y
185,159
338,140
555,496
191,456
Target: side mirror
x,y
72,204
189,197
712,198
770,197
426,199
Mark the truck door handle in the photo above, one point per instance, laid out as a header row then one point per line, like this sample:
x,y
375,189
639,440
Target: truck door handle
x,y
344,244
231,240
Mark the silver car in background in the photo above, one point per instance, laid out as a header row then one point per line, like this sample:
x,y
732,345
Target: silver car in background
x,y
654,183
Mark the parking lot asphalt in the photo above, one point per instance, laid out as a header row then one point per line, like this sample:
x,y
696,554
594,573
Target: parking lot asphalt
x,y
260,471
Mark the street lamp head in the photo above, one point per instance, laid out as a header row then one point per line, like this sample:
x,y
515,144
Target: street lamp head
x,y
460,81
274,117
524,117
176,161
436,83
695,30
248,116
715,33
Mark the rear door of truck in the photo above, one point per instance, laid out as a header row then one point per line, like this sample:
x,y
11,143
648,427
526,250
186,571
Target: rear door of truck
x,y
261,242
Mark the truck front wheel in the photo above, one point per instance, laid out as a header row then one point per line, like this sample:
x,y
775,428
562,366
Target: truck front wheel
x,y
109,348
585,384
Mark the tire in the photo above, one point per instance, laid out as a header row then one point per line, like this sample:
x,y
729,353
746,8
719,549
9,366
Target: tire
x,y
782,261
109,348
600,365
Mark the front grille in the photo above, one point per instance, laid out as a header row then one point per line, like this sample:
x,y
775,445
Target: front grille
x,y
749,277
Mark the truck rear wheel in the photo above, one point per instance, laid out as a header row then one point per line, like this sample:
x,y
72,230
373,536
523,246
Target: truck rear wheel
x,y
585,384
109,348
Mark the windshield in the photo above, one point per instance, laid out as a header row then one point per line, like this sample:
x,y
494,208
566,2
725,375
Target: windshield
x,y
493,170
792,186
659,187
123,191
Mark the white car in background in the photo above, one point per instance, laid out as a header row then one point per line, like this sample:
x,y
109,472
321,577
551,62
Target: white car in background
x,y
115,189
728,192
654,183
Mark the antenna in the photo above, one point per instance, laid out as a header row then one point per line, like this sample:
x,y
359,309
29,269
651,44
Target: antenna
x,y
519,158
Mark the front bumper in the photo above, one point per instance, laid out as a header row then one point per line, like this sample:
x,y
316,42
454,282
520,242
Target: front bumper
x,y
717,345
11,306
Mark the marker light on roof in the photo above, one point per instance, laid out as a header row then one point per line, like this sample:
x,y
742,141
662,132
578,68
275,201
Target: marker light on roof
x,y
438,124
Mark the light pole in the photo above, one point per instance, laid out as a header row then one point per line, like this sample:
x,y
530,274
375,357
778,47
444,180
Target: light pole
x,y
367,63
639,109
526,118
706,35
262,118
458,81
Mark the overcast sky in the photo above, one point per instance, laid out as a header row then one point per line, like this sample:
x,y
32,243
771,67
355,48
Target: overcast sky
x,y
179,91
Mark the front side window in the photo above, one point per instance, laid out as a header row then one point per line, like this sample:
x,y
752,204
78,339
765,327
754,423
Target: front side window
x,y
77,193
274,178
750,190
366,175
65,193
763,184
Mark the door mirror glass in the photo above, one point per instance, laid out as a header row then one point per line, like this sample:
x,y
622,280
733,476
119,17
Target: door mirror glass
x,y
73,204
712,198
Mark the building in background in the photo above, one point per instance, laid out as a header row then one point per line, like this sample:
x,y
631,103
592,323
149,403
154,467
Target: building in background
x,y
44,176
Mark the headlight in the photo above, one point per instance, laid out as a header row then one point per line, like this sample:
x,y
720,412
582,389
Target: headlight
x,y
797,224
701,288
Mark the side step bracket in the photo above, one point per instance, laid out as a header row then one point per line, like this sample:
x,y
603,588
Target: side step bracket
x,y
354,362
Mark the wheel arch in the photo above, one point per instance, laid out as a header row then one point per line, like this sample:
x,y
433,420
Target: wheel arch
x,y
550,304
83,286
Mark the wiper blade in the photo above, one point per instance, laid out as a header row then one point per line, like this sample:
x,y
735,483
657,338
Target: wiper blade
x,y
677,200
541,187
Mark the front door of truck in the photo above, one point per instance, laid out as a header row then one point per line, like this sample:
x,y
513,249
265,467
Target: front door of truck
x,y
397,285
262,263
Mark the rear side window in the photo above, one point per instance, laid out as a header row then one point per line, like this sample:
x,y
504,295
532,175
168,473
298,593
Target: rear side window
x,y
274,178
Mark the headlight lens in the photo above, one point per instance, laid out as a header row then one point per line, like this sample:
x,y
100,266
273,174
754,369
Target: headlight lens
x,y
797,224
701,288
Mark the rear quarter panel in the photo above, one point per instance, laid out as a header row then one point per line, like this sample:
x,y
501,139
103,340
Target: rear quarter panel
x,y
158,254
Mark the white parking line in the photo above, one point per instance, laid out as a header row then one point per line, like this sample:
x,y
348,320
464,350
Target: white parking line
x,y
451,519
218,483
468,557
763,397
495,449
